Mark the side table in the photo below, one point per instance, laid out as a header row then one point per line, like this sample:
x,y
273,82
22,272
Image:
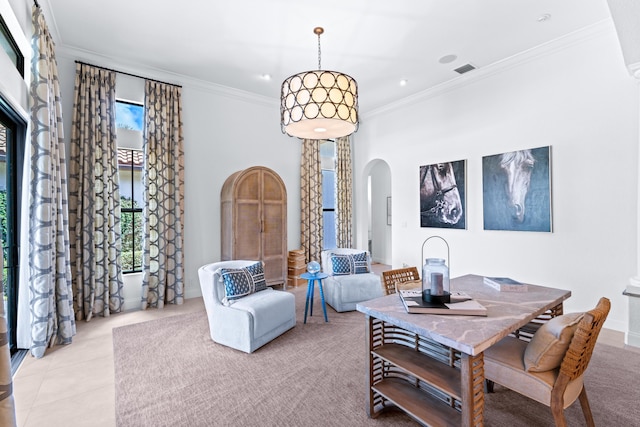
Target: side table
x,y
311,278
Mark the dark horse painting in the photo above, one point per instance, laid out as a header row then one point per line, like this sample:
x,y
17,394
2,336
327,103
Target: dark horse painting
x,y
442,199
516,189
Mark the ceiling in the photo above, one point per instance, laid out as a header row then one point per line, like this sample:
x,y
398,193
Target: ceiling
x,y
378,42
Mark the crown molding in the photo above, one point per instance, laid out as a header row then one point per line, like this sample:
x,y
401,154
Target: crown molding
x,y
577,37
162,75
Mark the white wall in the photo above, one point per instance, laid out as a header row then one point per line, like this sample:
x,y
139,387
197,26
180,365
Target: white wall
x,y
574,95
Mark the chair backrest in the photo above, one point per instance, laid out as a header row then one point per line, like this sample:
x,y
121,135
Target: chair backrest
x,y
391,277
578,355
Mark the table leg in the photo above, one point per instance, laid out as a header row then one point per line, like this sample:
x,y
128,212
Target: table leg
x,y
309,296
369,406
472,377
312,292
324,306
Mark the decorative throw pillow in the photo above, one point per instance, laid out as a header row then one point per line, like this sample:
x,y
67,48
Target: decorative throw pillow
x,y
360,263
550,343
240,282
344,264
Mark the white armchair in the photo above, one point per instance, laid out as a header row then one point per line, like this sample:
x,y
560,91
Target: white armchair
x,y
249,322
344,292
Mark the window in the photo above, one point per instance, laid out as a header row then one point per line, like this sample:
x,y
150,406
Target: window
x,y
328,159
10,47
129,115
129,121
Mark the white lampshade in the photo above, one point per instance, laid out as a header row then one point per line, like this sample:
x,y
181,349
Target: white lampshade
x,y
319,104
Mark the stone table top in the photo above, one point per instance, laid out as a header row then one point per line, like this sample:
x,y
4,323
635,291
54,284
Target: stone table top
x,y
506,312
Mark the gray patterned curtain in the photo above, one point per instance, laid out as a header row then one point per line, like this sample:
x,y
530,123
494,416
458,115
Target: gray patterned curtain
x,y
344,193
163,268
311,221
7,404
48,302
94,197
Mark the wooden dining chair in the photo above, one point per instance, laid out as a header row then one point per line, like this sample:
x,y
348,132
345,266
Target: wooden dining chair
x,y
506,363
400,275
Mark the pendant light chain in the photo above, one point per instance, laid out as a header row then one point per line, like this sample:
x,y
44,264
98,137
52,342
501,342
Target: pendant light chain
x,y
319,31
319,53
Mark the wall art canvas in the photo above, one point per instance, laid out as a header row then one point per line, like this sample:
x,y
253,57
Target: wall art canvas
x,y
442,195
516,190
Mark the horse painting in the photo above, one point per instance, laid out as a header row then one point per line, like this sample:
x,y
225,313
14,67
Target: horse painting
x,y
518,166
517,190
441,204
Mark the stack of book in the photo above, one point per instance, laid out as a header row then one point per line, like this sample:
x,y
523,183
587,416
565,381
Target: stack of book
x,y
460,304
505,284
295,267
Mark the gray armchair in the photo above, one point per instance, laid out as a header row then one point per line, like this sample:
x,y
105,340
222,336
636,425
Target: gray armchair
x,y
249,322
344,292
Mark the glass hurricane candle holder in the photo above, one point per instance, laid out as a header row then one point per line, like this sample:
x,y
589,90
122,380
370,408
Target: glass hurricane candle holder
x,y
435,281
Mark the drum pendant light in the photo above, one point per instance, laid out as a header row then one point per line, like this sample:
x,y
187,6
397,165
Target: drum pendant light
x,y
319,104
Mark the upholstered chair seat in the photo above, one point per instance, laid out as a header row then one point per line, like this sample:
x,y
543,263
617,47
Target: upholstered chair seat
x,y
550,368
248,322
504,364
344,291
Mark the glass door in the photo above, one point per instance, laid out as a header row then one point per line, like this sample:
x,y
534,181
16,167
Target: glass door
x,y
12,139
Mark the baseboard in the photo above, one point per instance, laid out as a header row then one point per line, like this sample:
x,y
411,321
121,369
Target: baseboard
x,y
633,339
617,339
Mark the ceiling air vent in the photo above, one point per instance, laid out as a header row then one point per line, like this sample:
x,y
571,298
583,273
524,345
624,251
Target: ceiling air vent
x,y
464,69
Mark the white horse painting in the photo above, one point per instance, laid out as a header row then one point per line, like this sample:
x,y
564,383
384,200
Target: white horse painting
x,y
518,166
517,190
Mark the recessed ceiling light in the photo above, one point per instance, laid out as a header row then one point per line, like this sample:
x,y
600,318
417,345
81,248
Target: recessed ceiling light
x,y
265,77
545,17
404,82
447,59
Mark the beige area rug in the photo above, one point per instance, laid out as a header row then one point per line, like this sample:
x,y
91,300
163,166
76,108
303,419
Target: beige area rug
x,y
168,372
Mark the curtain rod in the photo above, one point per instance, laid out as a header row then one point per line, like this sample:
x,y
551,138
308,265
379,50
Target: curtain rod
x,y
129,74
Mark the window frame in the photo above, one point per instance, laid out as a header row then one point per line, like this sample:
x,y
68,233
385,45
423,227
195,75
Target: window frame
x,y
6,33
331,210
16,139
136,212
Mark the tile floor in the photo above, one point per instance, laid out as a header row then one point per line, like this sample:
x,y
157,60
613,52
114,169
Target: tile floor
x,y
74,385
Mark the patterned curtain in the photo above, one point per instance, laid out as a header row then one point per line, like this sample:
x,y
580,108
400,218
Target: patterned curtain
x,y
344,194
163,268
7,403
311,221
49,295
94,197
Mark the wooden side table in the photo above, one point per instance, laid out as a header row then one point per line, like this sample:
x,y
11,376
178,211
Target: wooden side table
x,y
311,278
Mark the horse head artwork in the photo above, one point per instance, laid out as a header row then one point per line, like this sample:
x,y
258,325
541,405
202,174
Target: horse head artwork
x,y
517,166
440,200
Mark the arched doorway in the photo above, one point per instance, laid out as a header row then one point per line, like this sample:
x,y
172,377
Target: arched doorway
x,y
379,216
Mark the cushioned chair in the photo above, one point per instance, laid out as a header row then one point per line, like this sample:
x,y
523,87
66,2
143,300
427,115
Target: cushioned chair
x,y
249,322
399,275
343,292
550,368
